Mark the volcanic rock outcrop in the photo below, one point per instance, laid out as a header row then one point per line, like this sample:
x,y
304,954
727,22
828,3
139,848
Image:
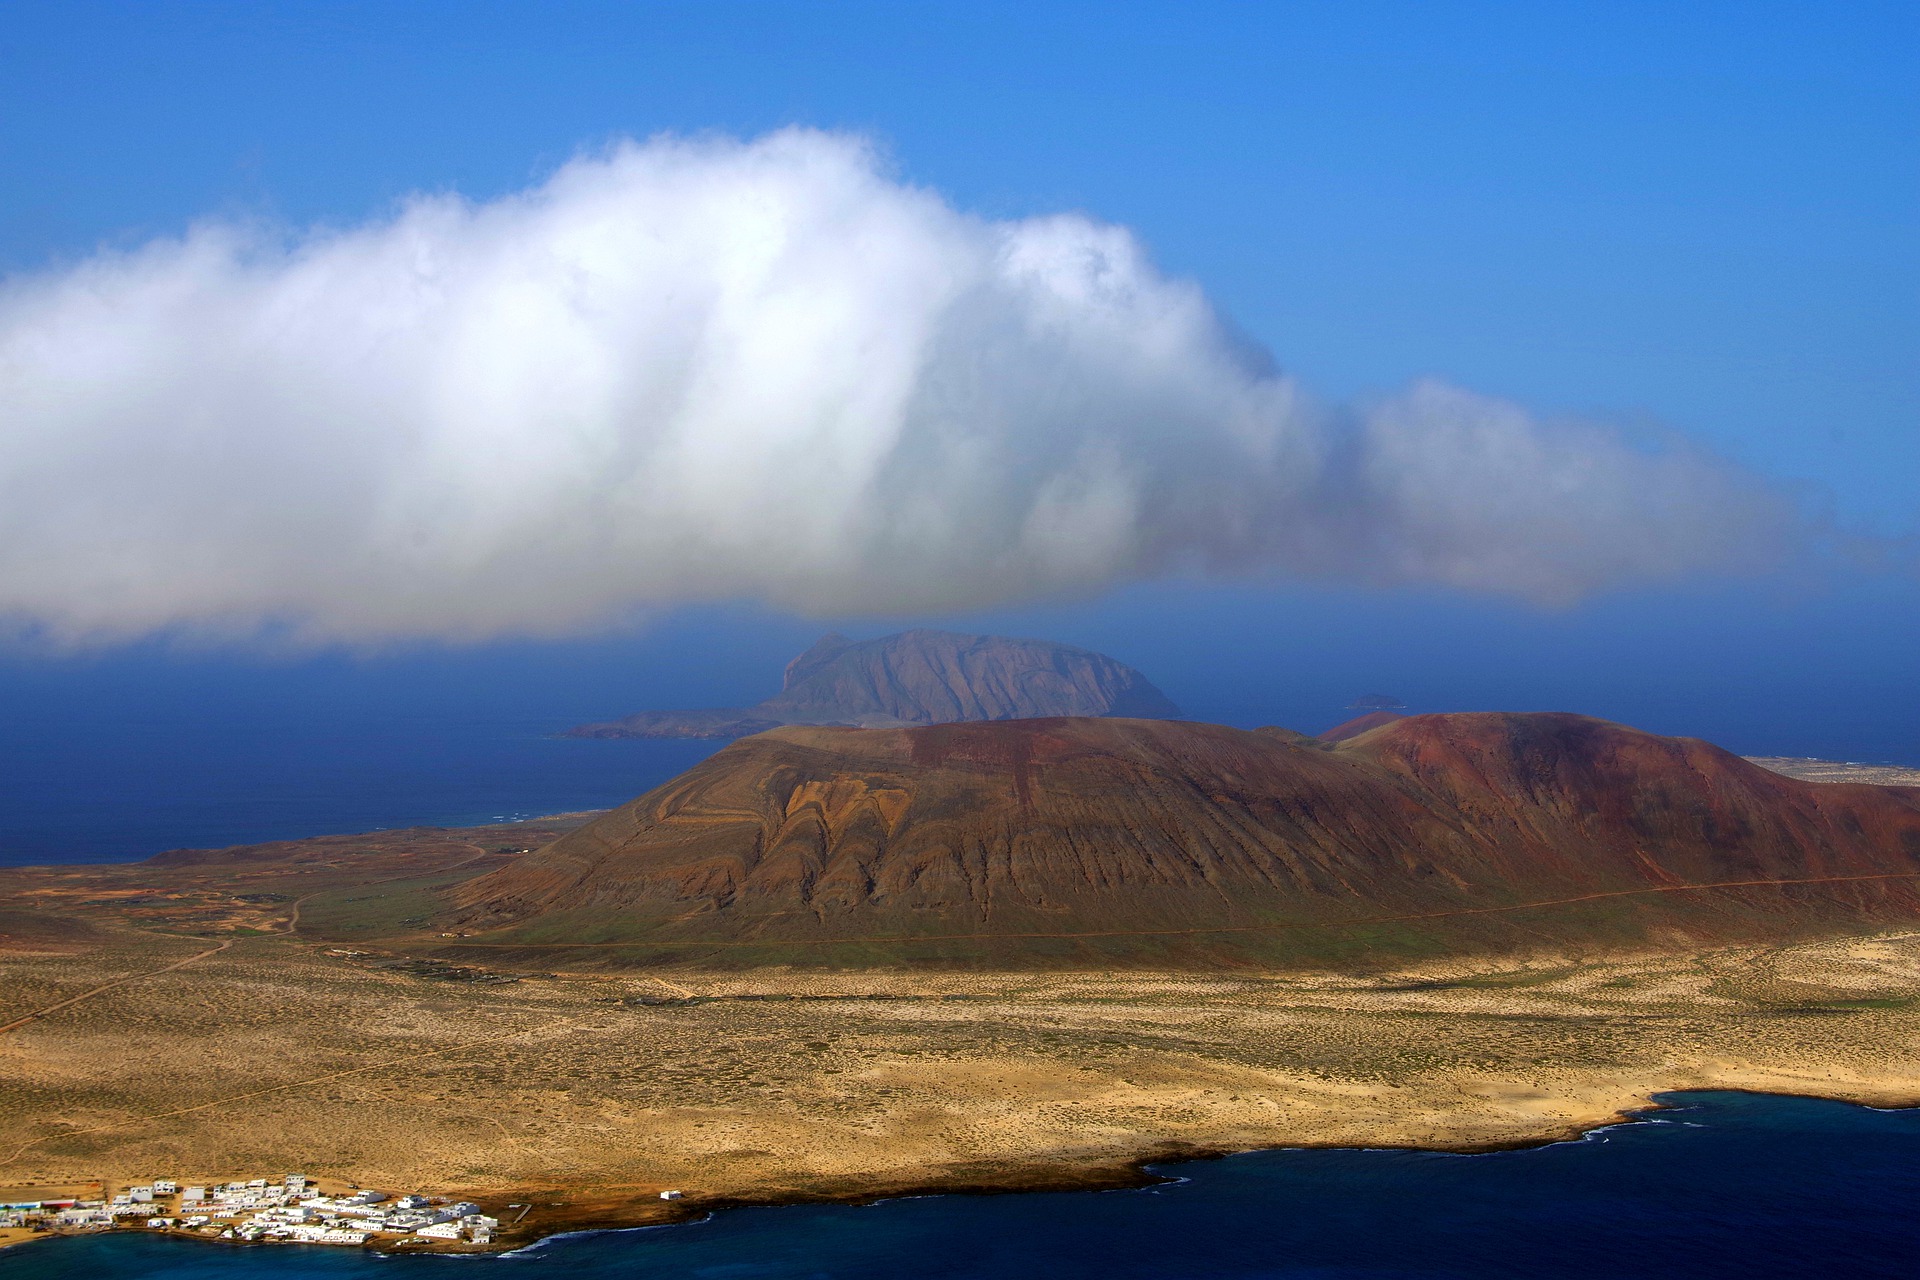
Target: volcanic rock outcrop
x,y
918,677
1078,841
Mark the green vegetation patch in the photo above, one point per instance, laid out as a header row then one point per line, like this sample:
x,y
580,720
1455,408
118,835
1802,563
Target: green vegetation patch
x,y
367,911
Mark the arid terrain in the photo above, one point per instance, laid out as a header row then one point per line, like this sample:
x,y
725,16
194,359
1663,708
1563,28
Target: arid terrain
x,y
305,1007
1084,843
1879,775
587,1094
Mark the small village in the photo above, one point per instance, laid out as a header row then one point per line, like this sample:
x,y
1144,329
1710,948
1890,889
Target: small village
x,y
291,1210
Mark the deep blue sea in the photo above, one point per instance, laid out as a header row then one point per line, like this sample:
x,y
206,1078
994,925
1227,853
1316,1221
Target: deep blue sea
x,y
1721,1184
83,795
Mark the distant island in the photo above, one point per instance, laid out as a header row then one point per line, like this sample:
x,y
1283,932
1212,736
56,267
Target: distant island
x,y
918,677
1376,702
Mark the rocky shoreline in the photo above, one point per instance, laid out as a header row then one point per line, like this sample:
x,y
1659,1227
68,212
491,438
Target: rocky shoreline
x,y
563,1213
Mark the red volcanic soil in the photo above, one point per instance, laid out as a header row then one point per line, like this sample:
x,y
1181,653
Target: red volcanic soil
x,y
1101,841
1360,724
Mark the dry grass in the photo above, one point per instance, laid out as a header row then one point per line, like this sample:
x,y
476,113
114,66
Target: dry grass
x,y
273,1056
281,1053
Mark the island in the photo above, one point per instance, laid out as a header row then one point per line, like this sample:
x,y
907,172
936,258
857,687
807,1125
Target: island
x,y
839,964
917,677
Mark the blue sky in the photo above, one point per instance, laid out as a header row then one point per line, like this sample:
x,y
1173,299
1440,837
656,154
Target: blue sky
x,y
1702,215
1693,219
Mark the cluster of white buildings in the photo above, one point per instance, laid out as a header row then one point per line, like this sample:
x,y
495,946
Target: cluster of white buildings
x,y
292,1209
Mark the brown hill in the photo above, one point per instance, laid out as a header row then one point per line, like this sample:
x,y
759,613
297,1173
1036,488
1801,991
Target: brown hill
x,y
1143,842
1360,724
918,677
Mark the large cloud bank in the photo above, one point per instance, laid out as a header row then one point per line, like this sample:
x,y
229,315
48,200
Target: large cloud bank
x,y
696,370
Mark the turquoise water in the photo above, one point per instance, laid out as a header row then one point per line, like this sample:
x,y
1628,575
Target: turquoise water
x,y
1722,1184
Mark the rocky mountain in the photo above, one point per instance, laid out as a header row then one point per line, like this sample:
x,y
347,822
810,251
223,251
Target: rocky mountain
x,y
1138,842
918,677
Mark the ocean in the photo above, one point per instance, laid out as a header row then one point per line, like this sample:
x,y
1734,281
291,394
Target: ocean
x,y
1716,1185
77,794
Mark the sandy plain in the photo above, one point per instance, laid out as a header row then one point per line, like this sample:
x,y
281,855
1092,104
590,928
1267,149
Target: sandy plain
x,y
272,1056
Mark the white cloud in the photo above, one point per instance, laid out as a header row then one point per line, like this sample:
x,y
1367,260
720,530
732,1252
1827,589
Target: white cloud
x,y
696,370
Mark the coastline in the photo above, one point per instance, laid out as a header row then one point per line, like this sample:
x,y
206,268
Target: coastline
x,y
589,1211
1132,1174
328,1037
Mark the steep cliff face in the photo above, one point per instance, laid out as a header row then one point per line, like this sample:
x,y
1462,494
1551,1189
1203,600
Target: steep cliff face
x,y
1134,841
938,677
921,677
